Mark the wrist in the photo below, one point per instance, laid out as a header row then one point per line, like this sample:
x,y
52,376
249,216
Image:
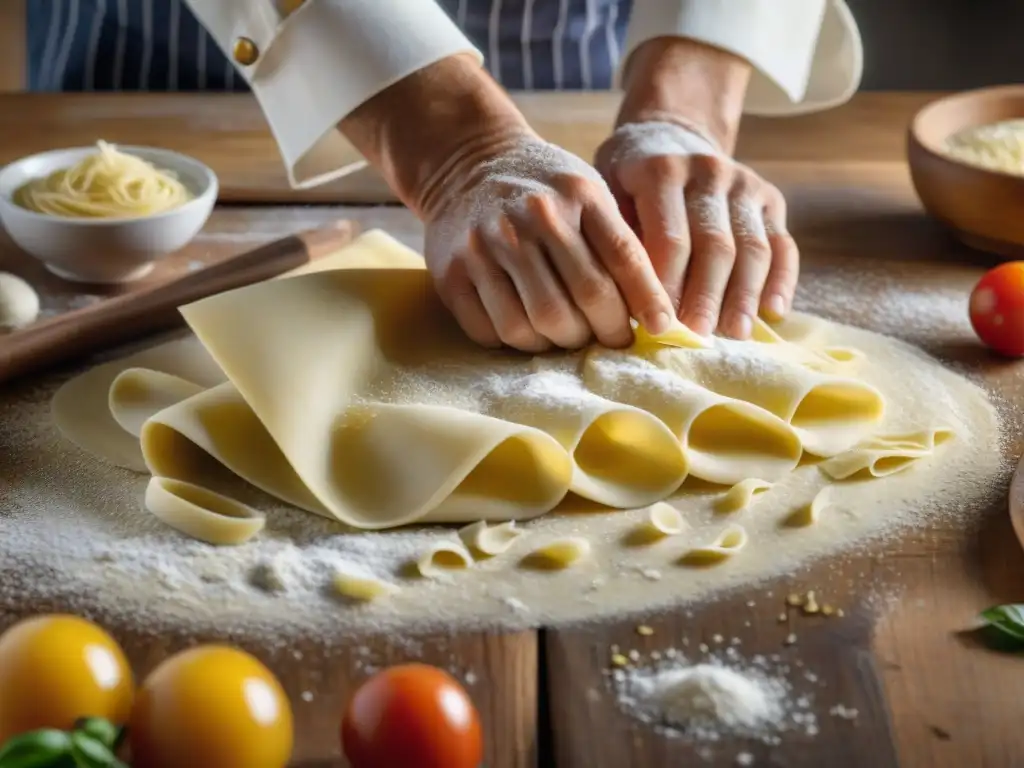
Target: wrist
x,y
422,130
679,80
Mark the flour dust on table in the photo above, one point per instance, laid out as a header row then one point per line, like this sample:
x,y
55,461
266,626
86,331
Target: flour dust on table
x,y
370,467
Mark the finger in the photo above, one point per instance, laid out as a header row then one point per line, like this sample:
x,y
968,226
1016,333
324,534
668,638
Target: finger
x,y
460,296
753,259
501,300
661,211
711,261
592,289
624,258
780,287
547,304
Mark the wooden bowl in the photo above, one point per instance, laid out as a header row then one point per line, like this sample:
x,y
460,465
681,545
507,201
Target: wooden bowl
x,y
984,208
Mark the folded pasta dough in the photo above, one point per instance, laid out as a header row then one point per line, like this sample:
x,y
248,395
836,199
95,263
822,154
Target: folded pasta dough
x,y
725,440
829,413
81,407
622,456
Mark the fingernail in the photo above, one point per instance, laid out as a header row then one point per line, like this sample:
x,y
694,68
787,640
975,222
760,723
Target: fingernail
x,y
743,325
659,322
775,307
700,326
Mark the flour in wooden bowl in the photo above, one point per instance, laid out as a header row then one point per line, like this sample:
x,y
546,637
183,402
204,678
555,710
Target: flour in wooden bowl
x,y
73,533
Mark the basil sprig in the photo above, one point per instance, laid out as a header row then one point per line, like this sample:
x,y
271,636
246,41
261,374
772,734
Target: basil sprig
x,y
1003,628
92,744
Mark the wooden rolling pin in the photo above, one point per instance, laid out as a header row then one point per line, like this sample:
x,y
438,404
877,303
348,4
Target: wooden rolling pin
x,y
130,316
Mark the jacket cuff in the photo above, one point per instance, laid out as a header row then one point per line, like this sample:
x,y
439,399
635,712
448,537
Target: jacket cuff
x,y
806,54
325,59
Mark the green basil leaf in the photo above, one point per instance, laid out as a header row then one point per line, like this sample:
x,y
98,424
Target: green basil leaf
x,y
38,749
90,753
1005,627
100,729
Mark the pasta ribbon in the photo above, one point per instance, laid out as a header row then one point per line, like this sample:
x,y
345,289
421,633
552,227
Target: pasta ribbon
x,y
741,495
809,513
106,185
489,540
201,513
442,558
559,554
884,455
678,335
728,543
359,586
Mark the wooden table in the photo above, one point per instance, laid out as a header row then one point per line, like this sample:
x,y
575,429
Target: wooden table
x,y
925,697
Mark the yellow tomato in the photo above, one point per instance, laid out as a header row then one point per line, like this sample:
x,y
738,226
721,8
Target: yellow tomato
x,y
211,706
56,669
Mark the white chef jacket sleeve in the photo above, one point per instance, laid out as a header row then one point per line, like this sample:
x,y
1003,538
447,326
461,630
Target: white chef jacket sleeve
x,y
317,61
806,54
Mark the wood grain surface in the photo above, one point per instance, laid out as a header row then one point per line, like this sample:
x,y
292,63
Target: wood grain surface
x,y
228,133
924,696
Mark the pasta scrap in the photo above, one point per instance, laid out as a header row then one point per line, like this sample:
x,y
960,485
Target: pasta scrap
x,y
442,558
201,513
489,540
559,554
808,514
741,495
728,543
364,587
666,520
678,335
885,455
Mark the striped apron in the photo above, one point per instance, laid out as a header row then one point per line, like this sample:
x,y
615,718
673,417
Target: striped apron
x,y
157,45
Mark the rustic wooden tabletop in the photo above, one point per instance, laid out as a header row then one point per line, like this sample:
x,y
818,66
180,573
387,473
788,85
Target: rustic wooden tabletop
x,y
924,696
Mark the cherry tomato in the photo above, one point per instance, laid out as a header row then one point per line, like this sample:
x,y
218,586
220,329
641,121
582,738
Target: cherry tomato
x,y
412,715
55,669
211,706
997,308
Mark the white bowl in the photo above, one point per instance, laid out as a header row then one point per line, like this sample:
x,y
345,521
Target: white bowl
x,y
105,250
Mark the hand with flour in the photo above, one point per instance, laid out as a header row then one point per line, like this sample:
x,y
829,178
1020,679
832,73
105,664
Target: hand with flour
x,y
524,240
715,230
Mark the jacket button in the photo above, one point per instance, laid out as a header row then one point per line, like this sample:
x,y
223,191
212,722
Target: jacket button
x,y
245,51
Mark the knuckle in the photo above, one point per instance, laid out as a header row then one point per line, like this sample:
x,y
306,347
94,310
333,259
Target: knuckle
x,y
718,247
710,166
756,252
593,290
551,315
704,306
517,333
746,298
664,168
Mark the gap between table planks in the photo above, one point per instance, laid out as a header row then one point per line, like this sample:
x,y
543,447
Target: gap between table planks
x,y
925,697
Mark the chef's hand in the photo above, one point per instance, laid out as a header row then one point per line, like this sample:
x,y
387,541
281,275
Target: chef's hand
x,y
714,229
528,249
524,240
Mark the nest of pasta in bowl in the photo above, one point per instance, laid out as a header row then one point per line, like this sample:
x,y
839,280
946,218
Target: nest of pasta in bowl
x,y
966,155
105,214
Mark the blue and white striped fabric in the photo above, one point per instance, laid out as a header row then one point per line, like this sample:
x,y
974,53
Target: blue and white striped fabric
x,y
157,45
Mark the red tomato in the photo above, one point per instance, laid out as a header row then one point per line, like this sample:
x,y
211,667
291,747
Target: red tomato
x,y
997,308
412,715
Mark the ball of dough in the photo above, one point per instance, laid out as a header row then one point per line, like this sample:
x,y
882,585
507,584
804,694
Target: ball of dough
x,y
19,303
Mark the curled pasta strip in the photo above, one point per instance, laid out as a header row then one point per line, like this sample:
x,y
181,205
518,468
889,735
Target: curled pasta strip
x,y
884,455
201,513
442,558
741,495
836,359
809,513
559,554
355,585
728,543
489,539
665,520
